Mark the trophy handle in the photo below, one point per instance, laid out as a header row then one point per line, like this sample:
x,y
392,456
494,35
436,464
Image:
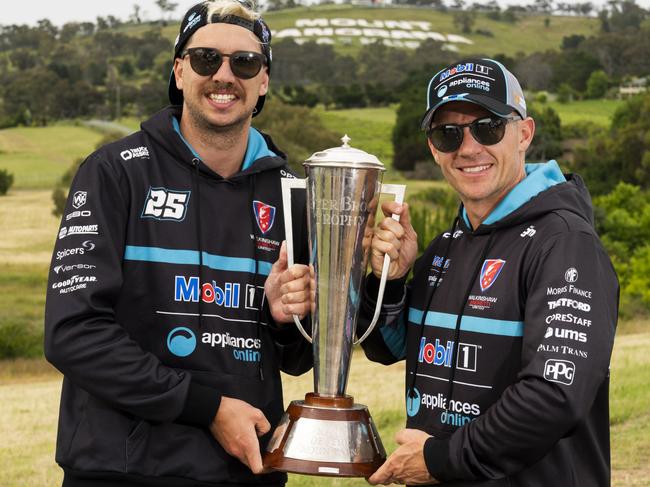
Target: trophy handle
x,y
398,190
287,185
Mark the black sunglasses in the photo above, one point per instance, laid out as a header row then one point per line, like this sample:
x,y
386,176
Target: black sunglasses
x,y
206,61
486,131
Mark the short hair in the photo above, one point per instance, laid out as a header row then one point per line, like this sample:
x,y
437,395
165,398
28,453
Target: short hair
x,y
223,8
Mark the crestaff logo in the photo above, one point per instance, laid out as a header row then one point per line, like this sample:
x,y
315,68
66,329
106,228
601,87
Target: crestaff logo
x,y
181,341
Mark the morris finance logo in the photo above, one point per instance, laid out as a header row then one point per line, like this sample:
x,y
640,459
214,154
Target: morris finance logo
x,y
181,341
79,199
571,274
560,371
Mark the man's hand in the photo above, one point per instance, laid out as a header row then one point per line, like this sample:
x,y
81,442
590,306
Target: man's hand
x,y
406,464
397,239
236,427
288,289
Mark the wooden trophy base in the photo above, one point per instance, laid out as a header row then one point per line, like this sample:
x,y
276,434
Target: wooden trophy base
x,y
328,436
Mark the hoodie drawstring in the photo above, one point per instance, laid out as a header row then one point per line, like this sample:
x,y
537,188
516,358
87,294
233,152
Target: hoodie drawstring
x,y
459,317
432,292
258,318
197,185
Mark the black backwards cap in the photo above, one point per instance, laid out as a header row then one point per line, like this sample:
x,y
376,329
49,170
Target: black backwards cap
x,y
482,81
197,17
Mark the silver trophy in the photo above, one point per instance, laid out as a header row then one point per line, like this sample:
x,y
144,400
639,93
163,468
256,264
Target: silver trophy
x,y
327,433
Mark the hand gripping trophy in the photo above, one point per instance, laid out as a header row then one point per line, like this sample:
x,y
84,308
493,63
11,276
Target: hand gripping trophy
x,y
327,433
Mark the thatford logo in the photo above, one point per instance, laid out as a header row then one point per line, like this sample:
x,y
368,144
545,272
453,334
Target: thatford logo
x,y
569,303
181,341
560,371
571,275
79,199
140,152
442,91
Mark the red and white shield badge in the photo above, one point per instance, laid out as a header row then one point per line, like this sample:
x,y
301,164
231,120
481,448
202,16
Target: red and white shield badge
x,y
264,215
490,271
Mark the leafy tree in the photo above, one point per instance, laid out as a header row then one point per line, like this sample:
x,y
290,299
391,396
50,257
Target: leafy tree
x,y
464,20
623,154
296,130
547,142
597,84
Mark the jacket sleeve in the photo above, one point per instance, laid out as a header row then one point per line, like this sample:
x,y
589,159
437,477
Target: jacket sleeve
x,y
386,344
569,324
83,339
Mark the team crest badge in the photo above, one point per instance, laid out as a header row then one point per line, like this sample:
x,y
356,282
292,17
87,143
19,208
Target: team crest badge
x,y
490,271
264,215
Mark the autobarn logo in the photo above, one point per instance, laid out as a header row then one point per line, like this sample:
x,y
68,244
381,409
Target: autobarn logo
x,y
560,371
86,246
79,199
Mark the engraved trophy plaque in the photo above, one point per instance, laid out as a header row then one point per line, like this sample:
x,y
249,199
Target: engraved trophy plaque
x,y
327,433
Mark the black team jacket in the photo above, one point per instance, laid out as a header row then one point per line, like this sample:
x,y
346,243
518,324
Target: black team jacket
x,y
509,368
155,309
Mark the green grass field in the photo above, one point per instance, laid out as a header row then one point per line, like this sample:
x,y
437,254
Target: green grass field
x,y
30,393
537,37
599,112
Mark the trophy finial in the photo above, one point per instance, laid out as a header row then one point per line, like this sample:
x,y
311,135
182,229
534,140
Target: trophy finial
x,y
345,139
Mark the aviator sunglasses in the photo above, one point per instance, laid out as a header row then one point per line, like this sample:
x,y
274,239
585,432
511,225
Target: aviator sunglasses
x,y
206,61
486,131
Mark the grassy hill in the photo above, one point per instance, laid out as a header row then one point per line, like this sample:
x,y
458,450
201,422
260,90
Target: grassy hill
x,y
529,34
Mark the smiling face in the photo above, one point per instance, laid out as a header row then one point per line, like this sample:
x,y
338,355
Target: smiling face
x,y
482,174
221,101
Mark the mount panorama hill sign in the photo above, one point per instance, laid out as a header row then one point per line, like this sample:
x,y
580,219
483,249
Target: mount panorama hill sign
x,y
394,33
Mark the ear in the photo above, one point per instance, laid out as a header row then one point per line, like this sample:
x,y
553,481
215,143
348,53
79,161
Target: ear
x,y
526,133
434,151
178,72
264,87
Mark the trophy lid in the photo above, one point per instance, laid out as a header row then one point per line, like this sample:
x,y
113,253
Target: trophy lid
x,y
344,156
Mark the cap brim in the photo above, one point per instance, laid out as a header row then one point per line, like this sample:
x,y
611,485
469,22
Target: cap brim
x,y
490,104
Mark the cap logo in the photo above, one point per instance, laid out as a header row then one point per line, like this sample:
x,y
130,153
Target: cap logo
x,y
265,33
192,20
442,91
461,68
480,69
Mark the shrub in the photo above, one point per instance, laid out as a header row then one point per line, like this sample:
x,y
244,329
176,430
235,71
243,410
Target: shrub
x,y
432,212
6,181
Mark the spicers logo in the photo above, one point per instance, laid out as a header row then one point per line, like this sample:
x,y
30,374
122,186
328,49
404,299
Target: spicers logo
x,y
489,272
264,215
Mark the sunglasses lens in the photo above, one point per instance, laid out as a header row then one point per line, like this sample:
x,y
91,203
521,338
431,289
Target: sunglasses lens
x,y
488,131
245,65
446,138
205,62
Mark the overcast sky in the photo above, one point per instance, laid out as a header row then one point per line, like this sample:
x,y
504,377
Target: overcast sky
x,y
62,11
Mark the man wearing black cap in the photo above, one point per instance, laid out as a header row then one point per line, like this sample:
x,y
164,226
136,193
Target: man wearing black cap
x,y
163,308
508,323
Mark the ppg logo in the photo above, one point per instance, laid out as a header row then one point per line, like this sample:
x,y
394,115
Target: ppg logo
x,y
181,341
560,371
412,402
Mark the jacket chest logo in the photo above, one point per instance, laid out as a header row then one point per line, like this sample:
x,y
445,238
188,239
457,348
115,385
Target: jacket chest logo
x,y
490,272
264,215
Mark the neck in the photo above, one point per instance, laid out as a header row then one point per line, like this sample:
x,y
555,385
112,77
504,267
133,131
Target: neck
x,y
222,149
